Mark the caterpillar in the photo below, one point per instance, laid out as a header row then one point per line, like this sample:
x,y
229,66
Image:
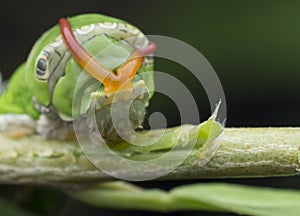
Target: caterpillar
x,y
100,54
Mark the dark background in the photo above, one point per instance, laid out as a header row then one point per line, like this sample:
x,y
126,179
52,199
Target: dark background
x,y
254,47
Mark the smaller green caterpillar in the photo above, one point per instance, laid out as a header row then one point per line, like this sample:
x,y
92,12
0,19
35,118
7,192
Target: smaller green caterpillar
x,y
100,49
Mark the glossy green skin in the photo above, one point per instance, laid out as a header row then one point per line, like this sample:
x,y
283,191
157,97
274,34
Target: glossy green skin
x,y
18,97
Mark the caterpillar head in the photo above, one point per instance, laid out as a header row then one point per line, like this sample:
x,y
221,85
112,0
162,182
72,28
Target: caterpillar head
x,y
107,52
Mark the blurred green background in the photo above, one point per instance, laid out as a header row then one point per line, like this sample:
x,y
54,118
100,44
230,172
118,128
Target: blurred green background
x,y
254,47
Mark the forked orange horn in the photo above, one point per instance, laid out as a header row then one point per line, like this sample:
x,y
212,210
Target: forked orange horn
x,y
111,81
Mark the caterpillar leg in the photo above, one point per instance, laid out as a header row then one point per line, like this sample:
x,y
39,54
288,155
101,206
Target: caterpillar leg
x,y
55,128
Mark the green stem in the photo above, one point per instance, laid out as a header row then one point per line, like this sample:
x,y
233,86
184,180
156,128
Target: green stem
x,y
243,152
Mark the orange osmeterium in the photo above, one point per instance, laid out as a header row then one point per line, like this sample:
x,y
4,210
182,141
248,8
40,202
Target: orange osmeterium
x,y
111,81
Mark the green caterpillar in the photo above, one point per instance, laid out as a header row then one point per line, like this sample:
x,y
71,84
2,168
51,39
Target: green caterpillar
x,y
102,50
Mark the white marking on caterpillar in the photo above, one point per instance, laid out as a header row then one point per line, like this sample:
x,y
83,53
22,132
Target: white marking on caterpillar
x,y
57,42
83,30
108,25
148,60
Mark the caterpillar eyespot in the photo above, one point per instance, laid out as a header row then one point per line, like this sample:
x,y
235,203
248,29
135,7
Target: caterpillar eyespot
x,y
42,66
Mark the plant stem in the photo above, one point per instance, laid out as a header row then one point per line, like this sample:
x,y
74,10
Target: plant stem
x,y
243,152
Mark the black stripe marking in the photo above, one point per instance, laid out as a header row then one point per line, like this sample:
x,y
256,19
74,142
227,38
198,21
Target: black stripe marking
x,y
58,53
